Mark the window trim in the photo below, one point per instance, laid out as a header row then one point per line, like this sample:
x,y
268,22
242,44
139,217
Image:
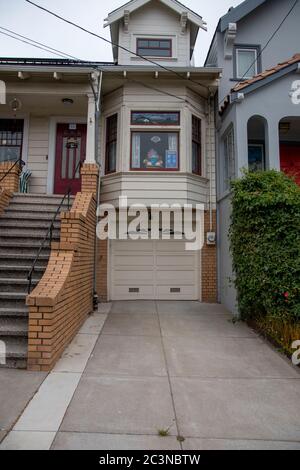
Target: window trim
x,y
21,146
107,142
155,48
199,143
156,125
150,170
247,47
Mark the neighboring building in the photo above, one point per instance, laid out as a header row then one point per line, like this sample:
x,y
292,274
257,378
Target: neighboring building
x,y
258,107
157,145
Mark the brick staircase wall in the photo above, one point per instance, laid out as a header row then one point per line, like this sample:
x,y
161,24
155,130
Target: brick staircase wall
x,y
5,197
63,298
11,181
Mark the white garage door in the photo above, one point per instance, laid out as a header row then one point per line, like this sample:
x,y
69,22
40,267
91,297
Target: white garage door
x,y
147,269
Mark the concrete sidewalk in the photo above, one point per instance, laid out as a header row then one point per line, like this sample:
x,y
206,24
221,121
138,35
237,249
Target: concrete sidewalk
x,y
182,366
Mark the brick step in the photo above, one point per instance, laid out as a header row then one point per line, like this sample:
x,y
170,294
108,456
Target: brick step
x,y
14,312
13,327
12,285
16,353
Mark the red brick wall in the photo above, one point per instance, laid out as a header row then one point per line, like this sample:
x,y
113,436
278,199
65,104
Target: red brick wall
x,y
11,181
209,264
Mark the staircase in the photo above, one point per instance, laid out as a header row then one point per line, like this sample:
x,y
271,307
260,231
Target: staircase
x,y
23,226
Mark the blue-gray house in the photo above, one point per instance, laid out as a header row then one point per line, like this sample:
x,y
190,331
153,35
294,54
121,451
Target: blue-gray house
x,y
257,44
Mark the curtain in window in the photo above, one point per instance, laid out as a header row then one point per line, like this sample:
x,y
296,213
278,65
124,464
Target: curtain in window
x,y
136,151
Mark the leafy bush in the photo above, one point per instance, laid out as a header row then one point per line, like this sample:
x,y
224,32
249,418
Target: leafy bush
x,y
265,245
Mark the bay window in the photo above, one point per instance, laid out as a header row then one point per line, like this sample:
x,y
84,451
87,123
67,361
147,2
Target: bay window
x,y
11,139
111,144
151,150
156,148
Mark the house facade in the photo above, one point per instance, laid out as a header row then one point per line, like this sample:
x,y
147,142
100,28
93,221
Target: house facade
x,y
143,128
258,123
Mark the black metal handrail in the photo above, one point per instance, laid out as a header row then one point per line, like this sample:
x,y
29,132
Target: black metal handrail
x,y
19,161
50,229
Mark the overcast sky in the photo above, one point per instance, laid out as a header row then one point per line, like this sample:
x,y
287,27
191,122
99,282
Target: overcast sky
x,y
25,19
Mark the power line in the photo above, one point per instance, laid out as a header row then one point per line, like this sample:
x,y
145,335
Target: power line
x,y
48,48
62,54
167,69
264,48
27,42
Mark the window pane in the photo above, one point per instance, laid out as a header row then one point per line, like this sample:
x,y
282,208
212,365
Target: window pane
x,y
155,150
155,52
146,118
111,143
154,47
246,63
11,137
9,154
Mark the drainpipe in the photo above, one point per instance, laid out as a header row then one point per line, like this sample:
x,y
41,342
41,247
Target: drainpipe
x,y
98,78
210,162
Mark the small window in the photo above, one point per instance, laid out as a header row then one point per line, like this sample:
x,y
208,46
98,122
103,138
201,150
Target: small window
x,y
196,146
11,139
229,158
155,151
246,62
155,118
154,47
111,144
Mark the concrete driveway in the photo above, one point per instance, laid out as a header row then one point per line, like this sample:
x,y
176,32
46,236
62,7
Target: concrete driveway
x,y
177,366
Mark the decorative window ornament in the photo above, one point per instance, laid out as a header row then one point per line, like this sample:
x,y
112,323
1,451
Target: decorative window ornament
x,y
155,139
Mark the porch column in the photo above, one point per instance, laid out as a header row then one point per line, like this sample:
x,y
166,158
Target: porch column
x,y
91,131
272,145
241,139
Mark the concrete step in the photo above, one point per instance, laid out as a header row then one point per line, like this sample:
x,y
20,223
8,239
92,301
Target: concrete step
x,y
23,259
13,327
15,286
10,222
13,300
28,216
39,207
16,353
26,233
20,272
37,198
14,312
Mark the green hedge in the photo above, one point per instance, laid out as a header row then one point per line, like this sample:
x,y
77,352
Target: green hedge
x,y
265,245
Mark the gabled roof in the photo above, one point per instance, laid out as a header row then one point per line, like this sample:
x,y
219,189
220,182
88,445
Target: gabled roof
x,y
267,73
236,14
174,5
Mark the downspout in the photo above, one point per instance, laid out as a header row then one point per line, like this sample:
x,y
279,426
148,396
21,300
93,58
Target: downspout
x,y
97,96
210,163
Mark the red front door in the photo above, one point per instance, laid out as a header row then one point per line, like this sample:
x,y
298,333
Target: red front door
x,y
70,150
290,160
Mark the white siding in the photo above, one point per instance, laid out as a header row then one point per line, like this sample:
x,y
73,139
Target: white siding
x,y
157,20
38,153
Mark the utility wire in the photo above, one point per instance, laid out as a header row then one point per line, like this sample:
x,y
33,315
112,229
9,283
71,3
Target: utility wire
x,y
62,54
48,48
264,48
167,69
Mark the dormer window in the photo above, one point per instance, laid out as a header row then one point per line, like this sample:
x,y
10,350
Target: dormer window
x,y
156,47
247,62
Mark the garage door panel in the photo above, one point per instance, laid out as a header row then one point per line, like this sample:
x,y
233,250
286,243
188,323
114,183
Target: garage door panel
x,y
176,293
154,270
120,292
131,261
178,277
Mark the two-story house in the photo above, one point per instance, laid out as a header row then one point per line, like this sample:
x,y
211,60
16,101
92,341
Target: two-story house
x,y
258,107
153,138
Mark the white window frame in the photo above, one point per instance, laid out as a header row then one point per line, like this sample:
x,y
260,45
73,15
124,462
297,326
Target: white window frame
x,y
171,37
246,49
